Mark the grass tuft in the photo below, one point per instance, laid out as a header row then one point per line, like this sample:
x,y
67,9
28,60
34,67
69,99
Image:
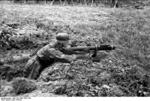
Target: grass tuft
x,y
23,86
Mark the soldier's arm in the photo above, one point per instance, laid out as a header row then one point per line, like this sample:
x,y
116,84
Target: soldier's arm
x,y
71,57
49,51
60,56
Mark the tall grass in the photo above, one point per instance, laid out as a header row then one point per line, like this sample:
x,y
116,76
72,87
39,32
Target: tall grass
x,y
126,68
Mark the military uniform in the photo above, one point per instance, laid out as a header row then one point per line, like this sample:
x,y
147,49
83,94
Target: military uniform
x,y
45,57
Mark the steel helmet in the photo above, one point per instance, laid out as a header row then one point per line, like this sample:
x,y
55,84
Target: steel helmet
x,y
62,37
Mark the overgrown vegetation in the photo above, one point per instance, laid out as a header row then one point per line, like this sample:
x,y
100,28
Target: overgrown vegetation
x,y
22,86
124,72
138,4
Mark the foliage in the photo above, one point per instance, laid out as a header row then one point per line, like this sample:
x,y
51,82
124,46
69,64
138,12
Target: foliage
x,y
22,86
6,89
125,72
138,4
8,72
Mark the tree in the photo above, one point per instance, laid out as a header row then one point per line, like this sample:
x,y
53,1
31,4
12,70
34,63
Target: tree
x,y
115,3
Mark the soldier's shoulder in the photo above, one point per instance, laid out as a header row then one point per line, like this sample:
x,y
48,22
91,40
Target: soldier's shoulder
x,y
46,47
50,45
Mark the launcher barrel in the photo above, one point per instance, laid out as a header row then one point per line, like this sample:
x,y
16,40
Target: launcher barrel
x,y
87,48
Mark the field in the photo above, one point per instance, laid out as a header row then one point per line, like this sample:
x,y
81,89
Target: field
x,y
123,72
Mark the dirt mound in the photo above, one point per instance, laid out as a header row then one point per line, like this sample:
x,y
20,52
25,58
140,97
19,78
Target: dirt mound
x,y
9,39
84,78
8,72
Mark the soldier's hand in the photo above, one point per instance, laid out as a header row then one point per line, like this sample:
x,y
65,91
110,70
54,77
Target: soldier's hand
x,y
100,56
70,57
74,57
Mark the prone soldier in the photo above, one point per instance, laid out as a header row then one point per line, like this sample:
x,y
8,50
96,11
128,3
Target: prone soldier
x,y
51,54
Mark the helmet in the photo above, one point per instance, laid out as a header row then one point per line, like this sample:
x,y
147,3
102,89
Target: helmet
x,y
62,37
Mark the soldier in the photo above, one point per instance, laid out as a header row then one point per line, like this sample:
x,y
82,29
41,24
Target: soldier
x,y
50,54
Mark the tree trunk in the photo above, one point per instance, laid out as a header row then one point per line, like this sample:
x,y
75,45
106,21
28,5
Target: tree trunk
x,y
114,3
52,2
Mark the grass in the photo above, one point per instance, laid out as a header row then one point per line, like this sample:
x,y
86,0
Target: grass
x,y
22,86
125,70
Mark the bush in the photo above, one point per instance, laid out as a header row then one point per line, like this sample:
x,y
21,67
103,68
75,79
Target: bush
x,y
22,86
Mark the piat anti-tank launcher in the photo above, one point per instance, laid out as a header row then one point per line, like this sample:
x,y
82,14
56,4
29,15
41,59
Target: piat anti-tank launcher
x,y
81,49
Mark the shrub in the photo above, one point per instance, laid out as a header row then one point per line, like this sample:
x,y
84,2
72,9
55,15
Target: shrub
x,y
22,86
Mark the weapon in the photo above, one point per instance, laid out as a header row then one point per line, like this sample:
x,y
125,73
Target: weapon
x,y
88,49
83,49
